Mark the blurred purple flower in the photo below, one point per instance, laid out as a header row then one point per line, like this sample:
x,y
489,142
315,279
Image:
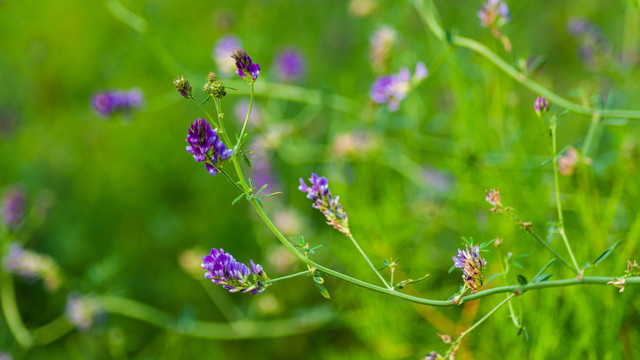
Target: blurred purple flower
x,y
290,65
223,269
222,52
82,311
472,265
205,145
110,102
494,13
246,68
31,266
593,48
13,207
325,202
391,89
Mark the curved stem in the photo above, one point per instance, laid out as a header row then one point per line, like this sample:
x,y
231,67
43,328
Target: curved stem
x,y
369,262
213,330
427,11
53,331
558,202
12,313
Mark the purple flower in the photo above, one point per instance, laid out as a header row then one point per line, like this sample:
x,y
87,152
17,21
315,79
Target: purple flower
x,y
391,89
540,105
325,202
13,207
223,269
290,65
494,13
110,102
472,265
205,145
221,52
246,69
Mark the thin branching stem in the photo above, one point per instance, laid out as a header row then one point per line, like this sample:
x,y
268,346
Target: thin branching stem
x,y
369,261
558,202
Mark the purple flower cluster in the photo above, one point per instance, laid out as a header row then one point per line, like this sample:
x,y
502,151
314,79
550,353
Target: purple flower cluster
x,y
205,145
494,13
246,69
110,102
391,89
472,265
223,269
540,105
325,202
13,207
221,52
290,65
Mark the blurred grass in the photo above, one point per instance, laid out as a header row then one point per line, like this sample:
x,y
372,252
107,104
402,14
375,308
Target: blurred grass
x,y
129,200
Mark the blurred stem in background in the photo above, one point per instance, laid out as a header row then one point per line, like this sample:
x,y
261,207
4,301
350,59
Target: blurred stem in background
x,y
429,14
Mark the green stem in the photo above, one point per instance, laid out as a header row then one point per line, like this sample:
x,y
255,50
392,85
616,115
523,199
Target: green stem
x,y
206,114
427,11
590,134
246,120
543,243
271,281
213,330
558,202
484,318
12,313
369,261
53,331
230,179
234,158
297,94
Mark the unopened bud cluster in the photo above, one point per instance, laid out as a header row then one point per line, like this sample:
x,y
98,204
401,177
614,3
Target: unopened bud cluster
x,y
214,86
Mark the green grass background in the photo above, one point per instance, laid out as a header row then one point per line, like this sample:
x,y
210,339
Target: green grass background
x,y
128,200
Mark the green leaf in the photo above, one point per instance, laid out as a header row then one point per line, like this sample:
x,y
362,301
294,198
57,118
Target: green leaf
x,y
246,160
323,291
522,280
237,199
607,253
273,194
261,189
541,278
451,269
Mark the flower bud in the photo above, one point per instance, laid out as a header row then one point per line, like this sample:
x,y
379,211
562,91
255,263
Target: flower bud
x,y
541,105
183,86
